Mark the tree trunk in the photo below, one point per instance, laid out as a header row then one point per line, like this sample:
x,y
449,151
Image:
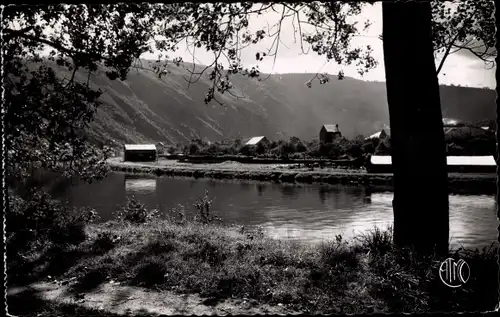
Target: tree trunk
x,y
421,215
497,73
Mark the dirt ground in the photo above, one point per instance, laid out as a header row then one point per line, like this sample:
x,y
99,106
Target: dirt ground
x,y
114,298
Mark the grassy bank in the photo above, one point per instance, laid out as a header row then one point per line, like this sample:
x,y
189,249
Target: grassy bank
x,y
458,183
364,275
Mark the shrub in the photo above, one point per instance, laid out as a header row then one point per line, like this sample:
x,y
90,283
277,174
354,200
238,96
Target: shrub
x,y
377,240
203,206
105,241
180,211
298,145
338,254
40,220
135,212
355,147
193,149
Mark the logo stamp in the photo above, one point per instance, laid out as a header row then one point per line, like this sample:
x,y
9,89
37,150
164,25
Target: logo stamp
x,y
454,273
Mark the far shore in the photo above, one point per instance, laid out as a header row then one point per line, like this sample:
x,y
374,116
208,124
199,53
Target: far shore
x,y
458,182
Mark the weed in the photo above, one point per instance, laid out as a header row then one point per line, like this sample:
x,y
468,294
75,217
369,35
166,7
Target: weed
x,y
377,240
180,211
136,213
105,241
203,206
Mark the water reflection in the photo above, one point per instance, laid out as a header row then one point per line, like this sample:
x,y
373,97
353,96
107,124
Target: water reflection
x,y
308,213
134,185
260,189
289,191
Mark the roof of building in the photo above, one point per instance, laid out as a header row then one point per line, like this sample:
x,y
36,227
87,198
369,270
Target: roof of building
x,y
255,140
381,159
331,127
376,135
451,160
471,160
450,121
139,147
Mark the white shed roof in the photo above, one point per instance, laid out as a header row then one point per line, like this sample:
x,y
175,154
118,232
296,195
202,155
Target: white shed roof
x,y
254,140
381,159
138,147
472,160
451,160
374,136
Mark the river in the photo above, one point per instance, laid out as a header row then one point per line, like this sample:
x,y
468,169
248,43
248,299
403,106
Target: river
x,y
306,212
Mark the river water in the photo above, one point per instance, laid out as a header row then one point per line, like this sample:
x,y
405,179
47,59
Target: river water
x,y
305,212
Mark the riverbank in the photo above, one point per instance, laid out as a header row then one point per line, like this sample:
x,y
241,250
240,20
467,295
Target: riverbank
x,y
458,183
231,269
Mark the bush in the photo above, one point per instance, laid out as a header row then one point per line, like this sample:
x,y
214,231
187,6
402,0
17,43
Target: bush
x,y
193,149
136,213
40,220
203,206
298,145
285,149
105,241
179,211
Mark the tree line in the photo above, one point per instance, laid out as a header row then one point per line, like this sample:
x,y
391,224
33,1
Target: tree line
x,y
458,144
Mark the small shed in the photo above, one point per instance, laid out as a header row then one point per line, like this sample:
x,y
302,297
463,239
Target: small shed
x,y
329,132
139,152
258,140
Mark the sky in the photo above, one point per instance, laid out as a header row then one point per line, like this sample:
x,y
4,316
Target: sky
x,y
460,68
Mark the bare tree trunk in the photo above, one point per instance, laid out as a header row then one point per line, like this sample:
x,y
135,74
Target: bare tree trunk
x,y
421,215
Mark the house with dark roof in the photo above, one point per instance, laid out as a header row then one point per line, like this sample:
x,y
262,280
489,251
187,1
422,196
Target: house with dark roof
x,y
329,132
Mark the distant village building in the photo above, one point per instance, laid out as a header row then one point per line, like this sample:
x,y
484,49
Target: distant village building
x,y
379,135
139,152
329,132
463,164
450,122
258,140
